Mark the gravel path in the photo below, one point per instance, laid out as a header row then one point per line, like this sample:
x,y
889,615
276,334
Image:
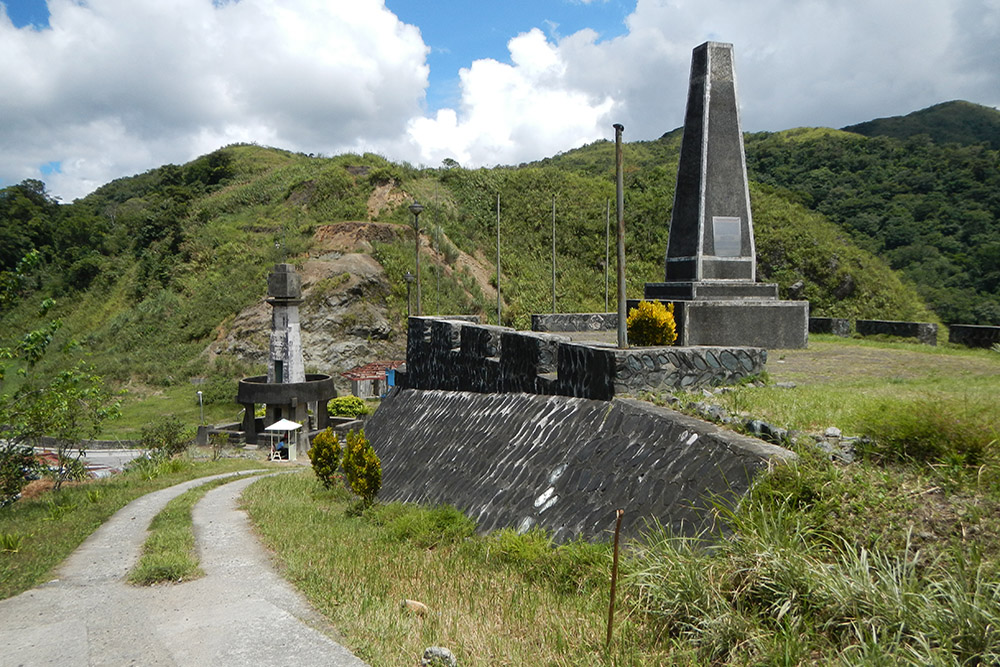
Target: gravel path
x,y
240,613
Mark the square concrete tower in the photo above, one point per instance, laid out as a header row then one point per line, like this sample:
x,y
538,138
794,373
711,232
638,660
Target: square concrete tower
x,y
711,266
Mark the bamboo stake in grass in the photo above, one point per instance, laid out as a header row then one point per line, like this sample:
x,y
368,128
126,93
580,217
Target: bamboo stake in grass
x,y
614,577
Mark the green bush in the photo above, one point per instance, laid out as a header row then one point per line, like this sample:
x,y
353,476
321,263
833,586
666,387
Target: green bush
x,y
18,466
325,456
424,527
347,406
362,467
166,435
652,323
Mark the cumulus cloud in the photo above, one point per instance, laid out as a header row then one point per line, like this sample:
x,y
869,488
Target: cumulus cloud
x,y
513,112
798,63
804,63
117,86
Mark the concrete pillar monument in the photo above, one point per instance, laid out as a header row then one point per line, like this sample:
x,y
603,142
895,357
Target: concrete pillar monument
x,y
711,269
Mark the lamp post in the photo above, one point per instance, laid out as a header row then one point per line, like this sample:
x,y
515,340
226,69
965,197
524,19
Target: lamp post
x,y
409,281
415,209
201,408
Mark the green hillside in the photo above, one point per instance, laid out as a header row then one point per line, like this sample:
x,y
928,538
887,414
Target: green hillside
x,y
955,122
148,270
931,210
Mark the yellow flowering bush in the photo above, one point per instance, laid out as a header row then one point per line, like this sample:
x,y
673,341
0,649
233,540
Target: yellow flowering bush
x,y
652,323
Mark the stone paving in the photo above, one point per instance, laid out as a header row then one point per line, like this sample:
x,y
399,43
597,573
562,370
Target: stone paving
x,y
240,613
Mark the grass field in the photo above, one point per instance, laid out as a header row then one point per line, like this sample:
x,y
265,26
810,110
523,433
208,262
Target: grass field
x,y
891,559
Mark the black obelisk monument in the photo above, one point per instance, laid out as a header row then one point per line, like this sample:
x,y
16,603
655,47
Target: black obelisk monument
x,y
711,266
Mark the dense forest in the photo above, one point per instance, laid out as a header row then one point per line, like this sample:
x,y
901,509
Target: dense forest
x,y
931,210
145,270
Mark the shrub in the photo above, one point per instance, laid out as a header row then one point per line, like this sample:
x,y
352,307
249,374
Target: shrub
x,y
347,406
927,431
325,457
165,435
362,467
18,466
652,323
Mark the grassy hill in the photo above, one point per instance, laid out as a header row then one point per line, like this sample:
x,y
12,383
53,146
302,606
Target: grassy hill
x,y
956,122
155,276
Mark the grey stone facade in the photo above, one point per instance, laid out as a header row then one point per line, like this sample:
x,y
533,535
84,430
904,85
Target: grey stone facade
x,y
838,326
925,332
564,464
460,356
973,335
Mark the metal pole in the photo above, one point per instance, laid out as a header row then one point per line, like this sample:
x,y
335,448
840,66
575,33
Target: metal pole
x,y
553,254
614,577
620,212
416,208
498,259
607,251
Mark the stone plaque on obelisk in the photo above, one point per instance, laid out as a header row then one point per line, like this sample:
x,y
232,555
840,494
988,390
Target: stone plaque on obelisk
x,y
711,269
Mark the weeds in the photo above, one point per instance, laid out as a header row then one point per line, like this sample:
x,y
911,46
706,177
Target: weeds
x,y
11,542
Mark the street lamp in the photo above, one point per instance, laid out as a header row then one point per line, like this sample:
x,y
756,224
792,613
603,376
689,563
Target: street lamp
x,y
409,280
415,209
201,408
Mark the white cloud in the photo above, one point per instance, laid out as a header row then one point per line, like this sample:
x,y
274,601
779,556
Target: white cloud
x,y
116,87
511,113
820,62
119,86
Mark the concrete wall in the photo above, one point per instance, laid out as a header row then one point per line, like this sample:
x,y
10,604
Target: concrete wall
x,y
973,335
575,322
460,356
564,464
925,332
837,326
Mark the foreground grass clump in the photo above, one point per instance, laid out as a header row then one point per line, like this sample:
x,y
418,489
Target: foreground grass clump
x,y
48,528
168,554
829,565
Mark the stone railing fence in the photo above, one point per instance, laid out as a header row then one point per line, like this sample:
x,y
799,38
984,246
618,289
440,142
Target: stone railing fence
x,y
458,355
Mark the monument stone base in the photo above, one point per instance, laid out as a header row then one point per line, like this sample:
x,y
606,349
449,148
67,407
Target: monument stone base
x,y
733,313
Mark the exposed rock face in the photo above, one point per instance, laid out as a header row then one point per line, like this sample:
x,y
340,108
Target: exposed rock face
x,y
344,317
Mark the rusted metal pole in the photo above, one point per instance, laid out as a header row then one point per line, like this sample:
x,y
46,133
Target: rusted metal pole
x,y
614,577
620,211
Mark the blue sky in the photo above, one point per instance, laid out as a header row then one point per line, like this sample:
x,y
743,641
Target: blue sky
x,y
446,28
93,91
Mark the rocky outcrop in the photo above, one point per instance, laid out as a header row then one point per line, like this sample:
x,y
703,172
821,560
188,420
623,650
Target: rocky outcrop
x,y
344,316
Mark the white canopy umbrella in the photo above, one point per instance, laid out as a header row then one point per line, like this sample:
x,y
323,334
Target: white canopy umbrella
x,y
283,425
288,426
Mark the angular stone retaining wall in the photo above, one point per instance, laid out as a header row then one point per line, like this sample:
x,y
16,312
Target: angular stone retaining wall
x,y
925,332
565,464
460,356
973,335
